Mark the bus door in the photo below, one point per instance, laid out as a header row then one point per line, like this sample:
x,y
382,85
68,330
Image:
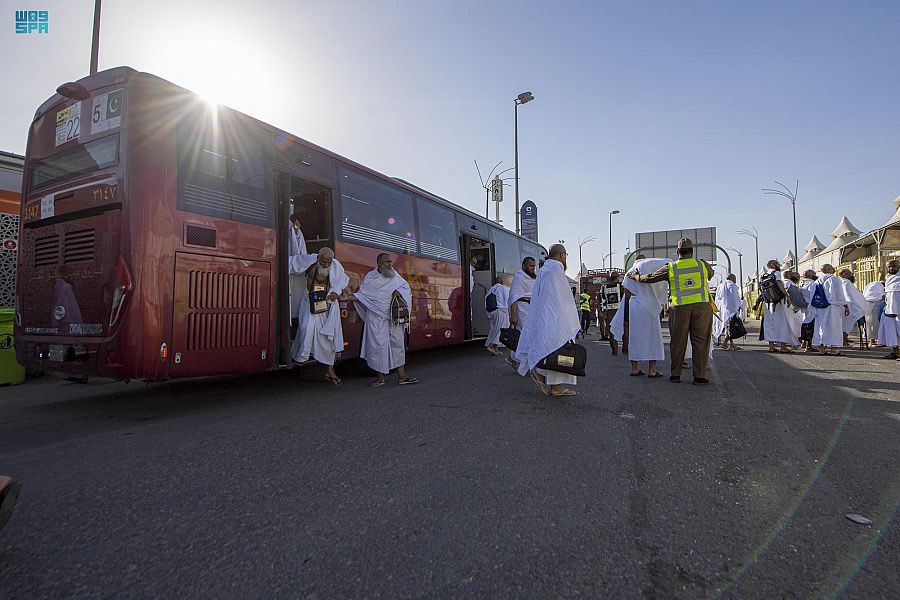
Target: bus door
x,y
310,203
478,280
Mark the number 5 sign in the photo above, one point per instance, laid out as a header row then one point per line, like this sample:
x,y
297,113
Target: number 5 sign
x,y
106,112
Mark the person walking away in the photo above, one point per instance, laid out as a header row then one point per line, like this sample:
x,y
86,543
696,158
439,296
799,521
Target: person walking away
x,y
498,314
319,332
610,299
384,335
831,304
857,304
807,325
795,293
520,300
728,301
552,321
889,328
585,307
644,329
690,313
874,295
776,319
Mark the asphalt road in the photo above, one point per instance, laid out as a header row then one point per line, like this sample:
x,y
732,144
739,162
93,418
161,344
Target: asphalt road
x,y
470,484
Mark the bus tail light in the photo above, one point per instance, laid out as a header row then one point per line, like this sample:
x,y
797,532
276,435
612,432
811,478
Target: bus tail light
x,y
164,352
123,288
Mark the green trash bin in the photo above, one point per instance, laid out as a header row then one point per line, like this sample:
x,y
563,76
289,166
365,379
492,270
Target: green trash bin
x,y
11,372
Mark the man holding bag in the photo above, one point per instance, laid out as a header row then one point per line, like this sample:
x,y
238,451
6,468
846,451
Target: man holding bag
x,y
552,321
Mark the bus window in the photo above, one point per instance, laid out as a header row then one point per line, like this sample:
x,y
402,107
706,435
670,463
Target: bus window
x,y
312,202
438,236
507,256
375,213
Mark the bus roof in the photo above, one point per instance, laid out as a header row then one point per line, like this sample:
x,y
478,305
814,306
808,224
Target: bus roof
x,y
122,74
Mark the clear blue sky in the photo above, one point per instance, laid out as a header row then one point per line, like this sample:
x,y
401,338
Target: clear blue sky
x,y
675,113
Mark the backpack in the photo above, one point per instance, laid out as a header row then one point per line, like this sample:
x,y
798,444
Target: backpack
x,y
769,290
490,302
797,298
819,299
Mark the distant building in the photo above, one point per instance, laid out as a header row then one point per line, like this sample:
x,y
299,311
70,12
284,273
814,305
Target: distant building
x,y
863,253
11,167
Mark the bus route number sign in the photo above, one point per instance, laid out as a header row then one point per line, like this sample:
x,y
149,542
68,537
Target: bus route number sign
x,y
68,124
106,112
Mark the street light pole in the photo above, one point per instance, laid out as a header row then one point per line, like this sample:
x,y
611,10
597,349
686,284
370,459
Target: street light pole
x,y
793,198
581,243
95,38
740,268
614,212
522,98
755,235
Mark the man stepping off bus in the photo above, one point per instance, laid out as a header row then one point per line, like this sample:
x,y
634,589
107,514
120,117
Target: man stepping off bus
x,y
383,301
319,330
520,301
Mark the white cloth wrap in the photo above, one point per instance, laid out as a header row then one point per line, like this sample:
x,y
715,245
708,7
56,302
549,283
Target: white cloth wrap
x,y
728,300
499,319
383,343
829,329
645,340
889,328
321,335
553,319
777,324
522,285
808,288
857,305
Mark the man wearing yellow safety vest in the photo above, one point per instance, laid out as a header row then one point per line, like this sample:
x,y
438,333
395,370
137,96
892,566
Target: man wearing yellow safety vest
x,y
584,303
691,311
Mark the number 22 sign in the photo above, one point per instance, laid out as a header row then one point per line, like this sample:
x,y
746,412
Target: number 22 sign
x,y
68,123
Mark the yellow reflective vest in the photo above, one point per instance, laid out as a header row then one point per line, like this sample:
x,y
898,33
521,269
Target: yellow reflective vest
x,y
688,282
585,302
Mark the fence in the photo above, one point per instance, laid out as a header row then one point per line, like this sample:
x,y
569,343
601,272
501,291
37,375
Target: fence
x,y
865,269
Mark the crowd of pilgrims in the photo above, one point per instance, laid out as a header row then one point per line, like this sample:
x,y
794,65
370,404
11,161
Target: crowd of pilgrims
x,y
538,320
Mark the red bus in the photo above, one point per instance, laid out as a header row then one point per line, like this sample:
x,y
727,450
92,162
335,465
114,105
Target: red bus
x,y
154,236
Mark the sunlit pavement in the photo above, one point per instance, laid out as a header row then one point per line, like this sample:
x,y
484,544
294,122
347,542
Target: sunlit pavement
x,y
470,484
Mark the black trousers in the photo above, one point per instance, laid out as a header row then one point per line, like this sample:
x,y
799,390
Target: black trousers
x,y
806,331
585,320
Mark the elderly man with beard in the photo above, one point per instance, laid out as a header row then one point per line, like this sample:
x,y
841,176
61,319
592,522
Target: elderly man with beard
x,y
319,332
553,320
384,341
520,300
889,328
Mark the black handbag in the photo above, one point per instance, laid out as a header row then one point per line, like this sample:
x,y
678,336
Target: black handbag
x,y
317,303
509,337
571,358
736,328
399,310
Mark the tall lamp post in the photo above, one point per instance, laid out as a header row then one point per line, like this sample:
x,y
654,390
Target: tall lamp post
x,y
614,212
740,268
581,243
95,38
523,98
755,235
793,198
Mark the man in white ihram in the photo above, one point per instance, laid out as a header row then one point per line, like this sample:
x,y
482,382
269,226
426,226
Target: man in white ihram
x,y
384,342
728,300
889,328
499,317
829,323
520,300
298,263
857,303
645,340
553,320
320,334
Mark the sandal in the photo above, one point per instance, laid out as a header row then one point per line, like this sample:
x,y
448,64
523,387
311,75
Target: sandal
x,y
543,386
654,375
563,392
638,374
376,384
409,381
334,379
